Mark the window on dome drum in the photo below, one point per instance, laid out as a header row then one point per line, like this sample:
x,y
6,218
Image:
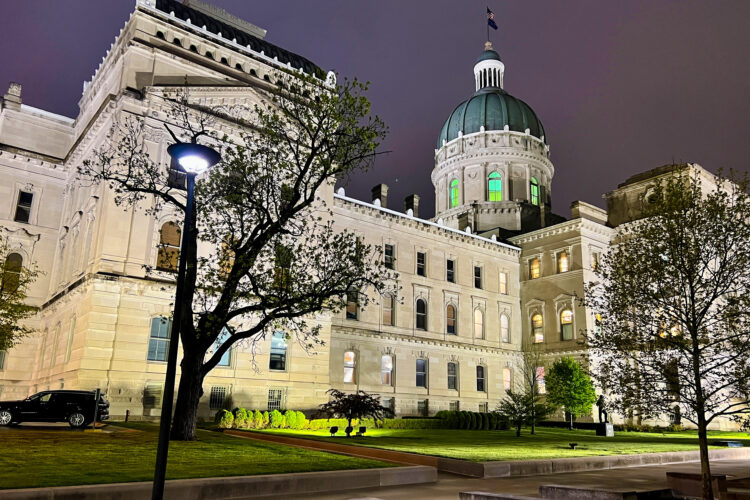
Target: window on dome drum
x,y
478,324
210,55
537,328
218,395
454,193
421,373
563,262
450,271
540,380
480,378
352,304
224,61
193,48
169,247
477,277
386,370
158,342
421,314
389,256
11,276
388,301
421,264
23,206
452,376
350,366
238,66
566,325
504,328
507,380
503,288
495,186
275,398
177,42
450,320
534,191
535,268
277,361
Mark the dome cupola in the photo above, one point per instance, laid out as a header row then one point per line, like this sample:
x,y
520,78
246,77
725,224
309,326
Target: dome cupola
x,y
489,69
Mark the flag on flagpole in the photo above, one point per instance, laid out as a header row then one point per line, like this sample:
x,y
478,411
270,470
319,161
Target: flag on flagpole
x,y
491,19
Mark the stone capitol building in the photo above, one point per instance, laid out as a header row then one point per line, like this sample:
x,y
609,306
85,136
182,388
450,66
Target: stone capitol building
x,y
493,272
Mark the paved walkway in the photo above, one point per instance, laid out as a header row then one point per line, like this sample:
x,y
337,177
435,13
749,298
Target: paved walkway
x,y
449,485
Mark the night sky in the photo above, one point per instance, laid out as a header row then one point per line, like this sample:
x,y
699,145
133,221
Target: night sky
x,y
620,86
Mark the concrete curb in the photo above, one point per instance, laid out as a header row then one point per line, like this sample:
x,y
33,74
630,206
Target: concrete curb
x,y
218,488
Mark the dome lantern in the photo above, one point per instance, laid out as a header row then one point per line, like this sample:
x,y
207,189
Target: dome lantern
x,y
489,69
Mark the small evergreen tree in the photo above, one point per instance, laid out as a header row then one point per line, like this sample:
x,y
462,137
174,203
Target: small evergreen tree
x,y
257,419
276,419
266,419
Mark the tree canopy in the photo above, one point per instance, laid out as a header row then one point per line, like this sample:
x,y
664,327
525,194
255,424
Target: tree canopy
x,y
15,278
570,386
354,406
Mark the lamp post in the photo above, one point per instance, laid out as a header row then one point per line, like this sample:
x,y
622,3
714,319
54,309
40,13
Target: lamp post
x,y
193,159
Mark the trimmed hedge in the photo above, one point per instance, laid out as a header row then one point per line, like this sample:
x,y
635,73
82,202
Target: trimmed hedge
x,y
470,420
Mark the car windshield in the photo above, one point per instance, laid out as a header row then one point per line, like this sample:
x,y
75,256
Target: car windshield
x,y
36,396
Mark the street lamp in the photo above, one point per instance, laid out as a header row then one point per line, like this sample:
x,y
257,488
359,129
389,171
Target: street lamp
x,y
193,159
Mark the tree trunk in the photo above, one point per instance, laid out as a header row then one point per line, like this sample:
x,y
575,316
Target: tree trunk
x,y
349,428
708,493
518,430
188,396
571,420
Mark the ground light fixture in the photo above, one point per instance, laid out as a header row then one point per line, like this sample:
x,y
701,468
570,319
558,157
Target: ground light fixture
x,y
192,159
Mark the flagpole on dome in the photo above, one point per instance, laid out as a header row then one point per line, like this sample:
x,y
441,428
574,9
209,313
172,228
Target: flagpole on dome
x,y
490,22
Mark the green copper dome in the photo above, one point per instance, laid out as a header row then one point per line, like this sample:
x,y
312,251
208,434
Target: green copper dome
x,y
493,108
489,54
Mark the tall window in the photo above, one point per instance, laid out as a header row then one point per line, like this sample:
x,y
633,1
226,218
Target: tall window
x,y
480,378
388,301
504,328
450,271
495,184
158,342
504,283
594,261
217,397
352,304
169,247
421,372
386,370
278,351
350,365
454,193
478,324
507,379
421,264
534,189
537,328
540,380
535,268
275,397
389,256
2,360
421,314
566,324
71,334
477,277
450,319
452,376
563,262
23,206
12,272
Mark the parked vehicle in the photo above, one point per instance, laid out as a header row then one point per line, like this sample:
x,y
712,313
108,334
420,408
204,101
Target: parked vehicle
x,y
74,407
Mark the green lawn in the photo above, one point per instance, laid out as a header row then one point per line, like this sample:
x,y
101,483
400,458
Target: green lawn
x,y
482,446
35,458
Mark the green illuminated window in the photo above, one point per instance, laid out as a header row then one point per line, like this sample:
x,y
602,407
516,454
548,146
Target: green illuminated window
x,y
534,191
454,193
495,186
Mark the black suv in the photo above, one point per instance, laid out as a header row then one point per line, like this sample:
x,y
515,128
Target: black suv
x,y
74,407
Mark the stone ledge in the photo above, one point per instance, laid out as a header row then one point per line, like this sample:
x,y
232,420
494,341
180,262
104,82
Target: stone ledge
x,y
218,488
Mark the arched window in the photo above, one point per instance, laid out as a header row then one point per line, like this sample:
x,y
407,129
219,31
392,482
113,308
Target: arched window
x,y
478,324
454,193
421,314
495,184
537,328
169,247
504,328
535,268
450,320
278,351
452,376
563,262
386,369
534,188
566,324
12,272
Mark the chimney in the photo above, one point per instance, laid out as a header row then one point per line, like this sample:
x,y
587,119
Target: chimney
x,y
380,193
12,98
411,202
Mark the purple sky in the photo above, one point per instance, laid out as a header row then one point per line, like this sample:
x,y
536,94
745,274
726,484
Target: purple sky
x,y
620,87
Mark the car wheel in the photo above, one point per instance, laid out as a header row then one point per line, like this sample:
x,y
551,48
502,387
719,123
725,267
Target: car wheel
x,y
77,420
5,417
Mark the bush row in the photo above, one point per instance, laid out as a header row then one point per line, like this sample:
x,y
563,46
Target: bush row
x,y
240,418
472,420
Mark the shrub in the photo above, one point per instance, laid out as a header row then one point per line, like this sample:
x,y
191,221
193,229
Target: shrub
x,y
290,419
266,419
464,420
325,423
485,421
257,419
226,420
301,420
474,421
240,418
276,420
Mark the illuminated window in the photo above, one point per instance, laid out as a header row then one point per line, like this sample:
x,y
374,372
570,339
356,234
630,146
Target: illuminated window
x,y
389,256
158,342
454,193
480,378
495,182
352,304
534,188
450,320
386,370
388,301
452,376
11,277
277,360
421,368
507,379
504,283
478,324
540,380
563,262
350,364
421,314
537,327
595,261
535,268
504,328
169,248
566,324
